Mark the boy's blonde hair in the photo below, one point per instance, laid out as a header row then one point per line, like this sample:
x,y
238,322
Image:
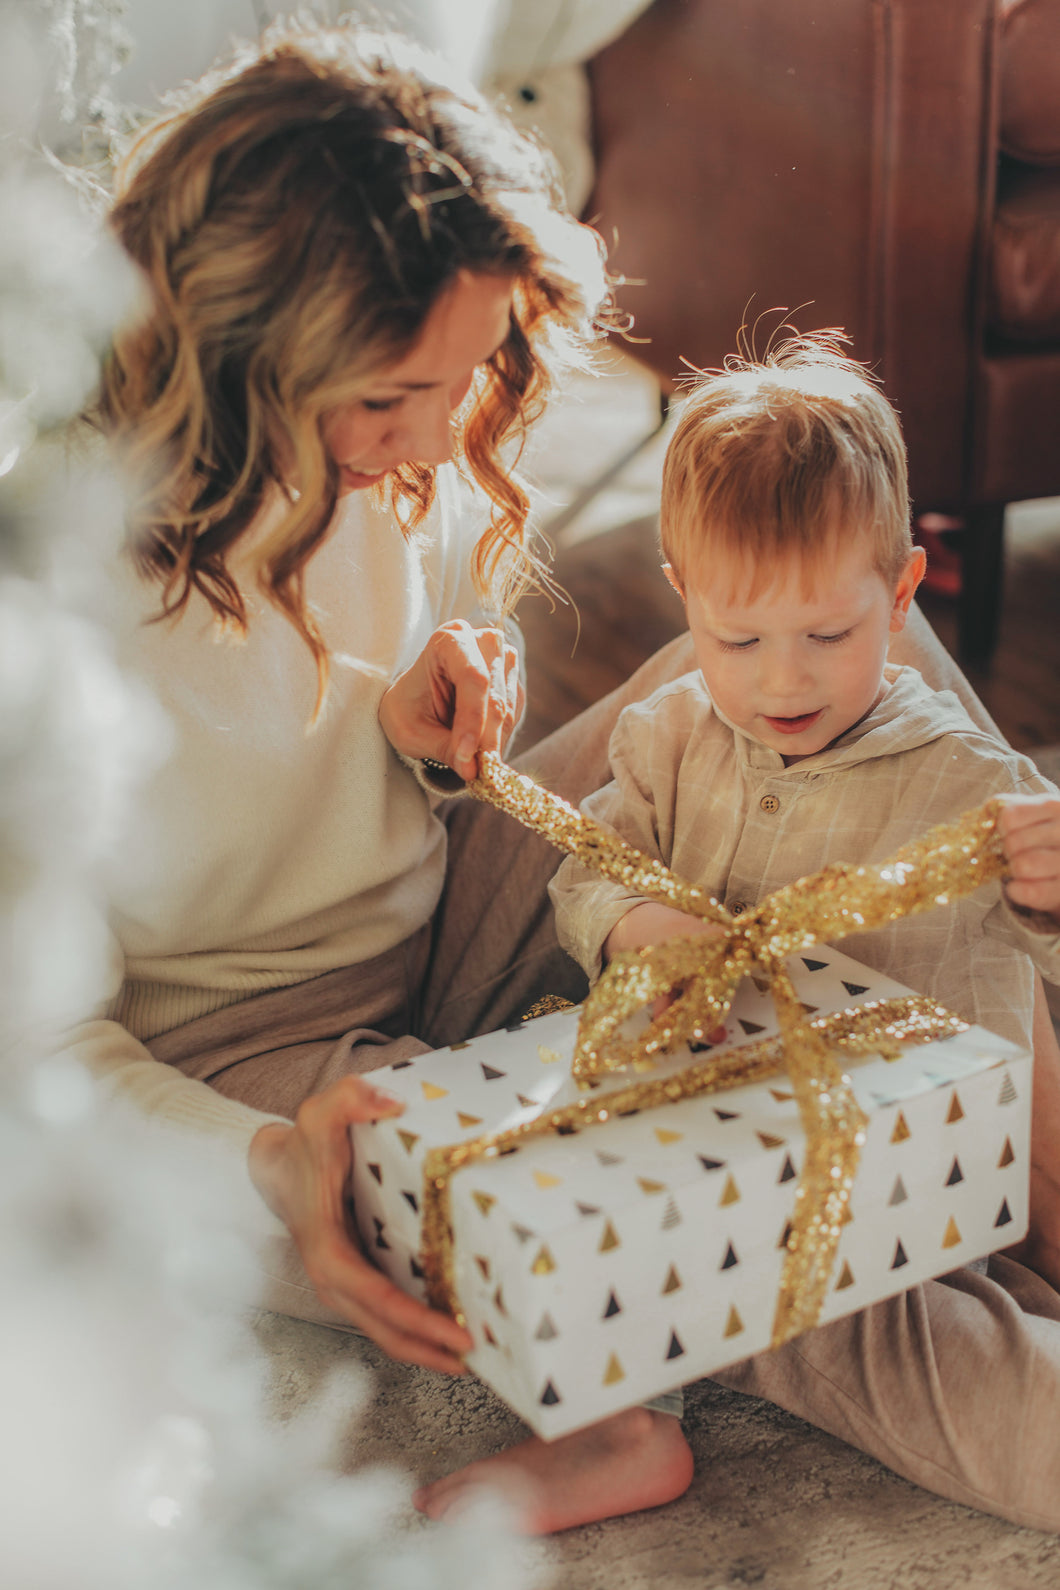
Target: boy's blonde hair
x,y
784,457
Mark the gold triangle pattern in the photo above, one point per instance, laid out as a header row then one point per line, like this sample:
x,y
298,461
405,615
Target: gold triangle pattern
x,y
409,1139
767,1140
846,1278
731,1193
955,1112
485,1201
780,1095
614,1371
952,1236
649,1187
609,1240
484,1266
673,1281
666,1137
901,1129
734,1324
545,1179
468,1120
544,1264
431,1091
527,1104
1007,1155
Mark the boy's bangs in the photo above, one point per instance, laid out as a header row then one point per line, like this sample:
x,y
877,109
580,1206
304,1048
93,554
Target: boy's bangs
x,y
767,524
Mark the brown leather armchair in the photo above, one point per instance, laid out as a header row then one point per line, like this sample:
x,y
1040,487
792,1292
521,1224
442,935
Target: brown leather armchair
x,y
893,164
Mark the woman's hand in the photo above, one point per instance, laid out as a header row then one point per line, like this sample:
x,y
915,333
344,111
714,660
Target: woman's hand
x,y
461,696
303,1172
1030,832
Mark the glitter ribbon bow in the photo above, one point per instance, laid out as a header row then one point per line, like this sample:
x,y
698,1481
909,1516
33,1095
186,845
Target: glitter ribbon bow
x,y
699,976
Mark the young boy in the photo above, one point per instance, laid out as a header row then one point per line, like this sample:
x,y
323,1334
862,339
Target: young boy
x,y
785,524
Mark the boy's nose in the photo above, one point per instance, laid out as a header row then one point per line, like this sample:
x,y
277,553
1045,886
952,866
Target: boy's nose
x,y
784,677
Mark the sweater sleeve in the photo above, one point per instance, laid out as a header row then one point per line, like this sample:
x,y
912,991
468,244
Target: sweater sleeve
x,y
125,1070
588,906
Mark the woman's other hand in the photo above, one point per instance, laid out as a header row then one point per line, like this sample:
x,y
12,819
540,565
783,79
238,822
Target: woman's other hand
x,y
461,696
303,1171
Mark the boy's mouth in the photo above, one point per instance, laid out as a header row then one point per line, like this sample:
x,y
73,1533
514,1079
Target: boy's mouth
x,y
806,720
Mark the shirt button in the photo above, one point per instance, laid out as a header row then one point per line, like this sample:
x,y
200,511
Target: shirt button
x,y
737,908
769,803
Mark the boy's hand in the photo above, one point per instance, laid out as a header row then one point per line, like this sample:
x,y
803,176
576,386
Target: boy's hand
x,y
1030,831
650,923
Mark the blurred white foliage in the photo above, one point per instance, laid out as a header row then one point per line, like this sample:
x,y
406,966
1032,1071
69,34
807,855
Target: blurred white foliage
x,y
90,43
136,1447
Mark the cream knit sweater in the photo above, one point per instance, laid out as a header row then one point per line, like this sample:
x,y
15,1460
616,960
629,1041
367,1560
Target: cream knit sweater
x,y
264,851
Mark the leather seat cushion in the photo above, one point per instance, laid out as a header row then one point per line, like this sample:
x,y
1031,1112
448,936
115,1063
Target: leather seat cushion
x,y
1025,256
1029,69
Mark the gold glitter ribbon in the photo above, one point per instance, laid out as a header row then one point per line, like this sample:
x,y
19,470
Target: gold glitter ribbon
x,y
699,976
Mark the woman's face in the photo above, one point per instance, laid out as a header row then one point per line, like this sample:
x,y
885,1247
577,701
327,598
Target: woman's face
x,y
403,414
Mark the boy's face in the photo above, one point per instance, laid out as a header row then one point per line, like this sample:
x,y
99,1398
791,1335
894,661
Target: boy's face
x,y
802,662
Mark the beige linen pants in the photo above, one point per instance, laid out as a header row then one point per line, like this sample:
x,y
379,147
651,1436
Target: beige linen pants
x,y
954,1384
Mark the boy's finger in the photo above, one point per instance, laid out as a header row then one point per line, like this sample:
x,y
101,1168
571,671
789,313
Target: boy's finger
x,y
1024,811
1035,895
1035,864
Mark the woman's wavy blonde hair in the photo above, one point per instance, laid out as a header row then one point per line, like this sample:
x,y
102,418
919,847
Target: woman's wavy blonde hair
x,y
296,220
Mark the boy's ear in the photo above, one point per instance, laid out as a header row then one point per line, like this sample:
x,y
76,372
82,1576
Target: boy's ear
x,y
674,579
905,590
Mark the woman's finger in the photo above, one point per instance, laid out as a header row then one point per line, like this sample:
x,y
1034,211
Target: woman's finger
x,y
479,677
401,1325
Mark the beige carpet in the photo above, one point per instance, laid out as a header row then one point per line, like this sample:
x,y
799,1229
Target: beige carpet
x,y
774,1503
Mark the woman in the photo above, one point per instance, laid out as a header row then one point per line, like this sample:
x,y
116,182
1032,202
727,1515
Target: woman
x,y
353,271
358,285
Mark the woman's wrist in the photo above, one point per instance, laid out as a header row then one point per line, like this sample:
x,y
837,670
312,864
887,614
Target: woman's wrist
x,y
263,1161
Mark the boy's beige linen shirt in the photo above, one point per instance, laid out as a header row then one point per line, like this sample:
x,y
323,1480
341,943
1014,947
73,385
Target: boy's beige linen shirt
x,y
725,812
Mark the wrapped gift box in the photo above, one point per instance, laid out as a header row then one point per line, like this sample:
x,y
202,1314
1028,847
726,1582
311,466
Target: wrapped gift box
x,y
599,1269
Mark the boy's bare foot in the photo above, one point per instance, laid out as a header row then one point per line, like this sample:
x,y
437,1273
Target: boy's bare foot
x,y
636,1459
